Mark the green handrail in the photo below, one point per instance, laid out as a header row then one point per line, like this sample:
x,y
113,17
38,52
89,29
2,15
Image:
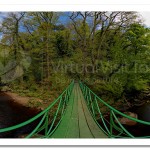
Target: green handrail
x,y
108,126
44,116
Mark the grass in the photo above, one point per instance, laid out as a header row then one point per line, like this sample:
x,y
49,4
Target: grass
x,y
39,96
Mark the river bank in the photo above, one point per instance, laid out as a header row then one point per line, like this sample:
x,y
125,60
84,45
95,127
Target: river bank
x,y
24,100
13,113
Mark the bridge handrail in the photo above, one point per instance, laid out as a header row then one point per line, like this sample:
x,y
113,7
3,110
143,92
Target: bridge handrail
x,y
110,124
115,110
38,115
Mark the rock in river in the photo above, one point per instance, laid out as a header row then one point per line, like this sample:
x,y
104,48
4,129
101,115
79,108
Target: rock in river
x,y
126,121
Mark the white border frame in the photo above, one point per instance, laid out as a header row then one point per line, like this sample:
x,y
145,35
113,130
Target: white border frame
x,y
75,142
78,5
74,7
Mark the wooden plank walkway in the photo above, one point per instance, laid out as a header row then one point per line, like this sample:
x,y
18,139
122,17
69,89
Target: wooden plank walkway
x,y
77,121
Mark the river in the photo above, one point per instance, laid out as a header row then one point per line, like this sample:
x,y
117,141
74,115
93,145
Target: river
x,y
139,129
12,113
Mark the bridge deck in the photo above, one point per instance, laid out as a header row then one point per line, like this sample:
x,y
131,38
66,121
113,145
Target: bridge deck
x,y
77,121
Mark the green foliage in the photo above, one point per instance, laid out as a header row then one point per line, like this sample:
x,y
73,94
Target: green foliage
x,y
63,43
108,49
34,103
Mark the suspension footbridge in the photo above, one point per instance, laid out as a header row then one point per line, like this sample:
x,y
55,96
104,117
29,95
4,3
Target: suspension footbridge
x,y
77,121
76,114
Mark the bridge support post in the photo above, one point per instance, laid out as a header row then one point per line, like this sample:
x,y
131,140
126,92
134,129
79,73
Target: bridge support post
x,y
46,123
111,124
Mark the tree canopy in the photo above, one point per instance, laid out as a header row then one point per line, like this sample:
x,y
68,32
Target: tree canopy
x,y
107,50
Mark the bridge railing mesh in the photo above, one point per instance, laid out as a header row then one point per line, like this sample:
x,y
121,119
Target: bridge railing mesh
x,y
46,122
108,118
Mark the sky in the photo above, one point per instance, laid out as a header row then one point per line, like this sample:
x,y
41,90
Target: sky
x,y
145,15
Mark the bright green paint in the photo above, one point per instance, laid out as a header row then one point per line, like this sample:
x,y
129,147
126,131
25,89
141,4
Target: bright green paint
x,y
77,119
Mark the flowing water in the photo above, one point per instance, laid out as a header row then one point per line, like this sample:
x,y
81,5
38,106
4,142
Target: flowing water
x,y
143,113
12,113
139,129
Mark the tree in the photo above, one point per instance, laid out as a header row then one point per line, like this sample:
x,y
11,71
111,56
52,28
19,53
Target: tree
x,y
40,25
11,29
107,49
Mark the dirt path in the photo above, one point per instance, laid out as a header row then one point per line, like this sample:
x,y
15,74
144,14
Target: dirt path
x,y
19,99
23,100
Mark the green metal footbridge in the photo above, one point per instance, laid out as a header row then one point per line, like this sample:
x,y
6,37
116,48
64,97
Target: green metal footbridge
x,y
78,113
